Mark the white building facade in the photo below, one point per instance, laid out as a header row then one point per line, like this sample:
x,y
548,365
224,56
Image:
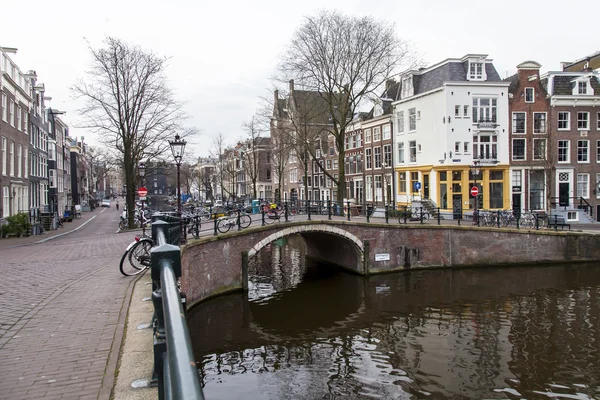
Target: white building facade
x,y
450,134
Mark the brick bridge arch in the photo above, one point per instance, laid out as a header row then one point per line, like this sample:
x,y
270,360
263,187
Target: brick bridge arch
x,y
319,246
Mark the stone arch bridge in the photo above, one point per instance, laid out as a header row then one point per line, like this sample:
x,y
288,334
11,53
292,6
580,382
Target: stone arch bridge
x,y
218,264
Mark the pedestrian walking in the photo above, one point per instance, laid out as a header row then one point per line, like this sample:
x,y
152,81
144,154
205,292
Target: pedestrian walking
x,y
117,205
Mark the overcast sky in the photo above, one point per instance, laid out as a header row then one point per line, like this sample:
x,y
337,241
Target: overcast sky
x,y
223,53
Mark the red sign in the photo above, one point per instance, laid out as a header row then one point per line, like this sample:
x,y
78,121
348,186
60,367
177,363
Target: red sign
x,y
474,191
142,192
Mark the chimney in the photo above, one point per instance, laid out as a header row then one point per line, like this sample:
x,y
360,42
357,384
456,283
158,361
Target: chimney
x,y
291,86
276,97
389,83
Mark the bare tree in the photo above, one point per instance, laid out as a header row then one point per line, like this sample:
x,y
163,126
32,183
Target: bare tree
x,y
129,106
218,151
344,59
251,154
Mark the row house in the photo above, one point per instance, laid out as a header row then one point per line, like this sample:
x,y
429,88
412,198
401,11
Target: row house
x,y
529,139
38,147
304,152
451,134
14,136
574,116
208,182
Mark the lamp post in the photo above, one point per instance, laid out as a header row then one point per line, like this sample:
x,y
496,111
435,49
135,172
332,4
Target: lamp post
x,y
475,169
177,148
142,172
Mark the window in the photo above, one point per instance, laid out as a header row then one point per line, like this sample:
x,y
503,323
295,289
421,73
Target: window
x,y
402,181
412,150
539,122
539,149
4,107
12,113
598,151
581,87
377,156
583,121
466,147
19,160
376,134
564,122
518,149
518,122
457,111
529,94
369,188
19,113
412,119
359,139
387,155
12,158
475,71
401,152
368,158
367,136
563,151
598,121
414,178
457,147
328,164
484,109
400,121
4,149
582,151
26,123
387,132
583,185
485,147
466,111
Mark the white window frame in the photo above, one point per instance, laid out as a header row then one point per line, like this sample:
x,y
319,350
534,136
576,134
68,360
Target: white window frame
x,y
368,135
466,147
587,151
376,134
545,119
412,151
466,112
456,111
567,151
457,148
532,92
11,112
586,120
19,160
412,119
386,132
401,159
598,151
369,158
12,158
4,154
545,155
19,115
4,107
400,121
582,87
475,73
567,121
524,149
514,122
583,185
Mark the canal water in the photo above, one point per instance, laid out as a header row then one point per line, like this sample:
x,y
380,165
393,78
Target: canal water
x,y
307,331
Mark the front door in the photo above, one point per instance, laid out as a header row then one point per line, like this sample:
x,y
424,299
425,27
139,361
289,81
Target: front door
x,y
516,201
563,194
425,186
457,206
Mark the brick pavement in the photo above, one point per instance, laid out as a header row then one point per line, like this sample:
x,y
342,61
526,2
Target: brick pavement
x,y
63,305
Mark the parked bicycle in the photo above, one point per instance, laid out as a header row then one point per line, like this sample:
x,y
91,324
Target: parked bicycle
x,y
227,222
136,258
276,213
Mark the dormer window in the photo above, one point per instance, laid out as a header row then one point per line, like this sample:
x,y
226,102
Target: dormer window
x,y
476,71
407,87
581,87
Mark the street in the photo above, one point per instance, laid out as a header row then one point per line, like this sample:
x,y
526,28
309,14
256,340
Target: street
x,y
62,310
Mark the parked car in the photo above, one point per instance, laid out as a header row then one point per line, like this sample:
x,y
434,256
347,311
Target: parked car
x,y
105,203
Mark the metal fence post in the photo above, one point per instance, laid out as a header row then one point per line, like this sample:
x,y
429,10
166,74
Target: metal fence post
x,y
387,215
216,222
238,220
285,211
438,216
329,209
308,209
348,205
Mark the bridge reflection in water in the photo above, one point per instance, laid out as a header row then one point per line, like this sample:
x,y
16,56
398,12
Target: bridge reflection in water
x,y
305,331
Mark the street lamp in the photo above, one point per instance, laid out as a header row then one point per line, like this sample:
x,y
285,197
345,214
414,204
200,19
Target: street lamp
x,y
142,172
475,170
177,148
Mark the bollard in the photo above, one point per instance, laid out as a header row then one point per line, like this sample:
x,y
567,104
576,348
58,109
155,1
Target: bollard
x,y
348,205
238,220
421,214
285,211
387,215
216,222
329,209
438,216
368,211
308,209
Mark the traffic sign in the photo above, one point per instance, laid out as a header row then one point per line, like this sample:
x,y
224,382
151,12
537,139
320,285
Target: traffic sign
x,y
474,191
417,185
142,192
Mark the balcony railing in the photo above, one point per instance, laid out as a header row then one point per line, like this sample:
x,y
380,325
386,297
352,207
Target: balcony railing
x,y
487,124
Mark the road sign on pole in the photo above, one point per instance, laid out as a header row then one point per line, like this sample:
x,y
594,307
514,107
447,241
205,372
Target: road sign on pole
x,y
474,191
142,192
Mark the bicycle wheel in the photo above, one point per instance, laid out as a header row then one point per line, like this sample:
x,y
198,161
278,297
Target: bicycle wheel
x,y
125,266
245,221
139,255
291,214
224,225
271,216
123,224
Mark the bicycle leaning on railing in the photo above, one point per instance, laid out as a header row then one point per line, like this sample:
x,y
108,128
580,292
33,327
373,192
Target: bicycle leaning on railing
x,y
136,258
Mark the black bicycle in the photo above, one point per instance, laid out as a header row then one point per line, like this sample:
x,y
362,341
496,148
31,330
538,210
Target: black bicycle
x,y
136,258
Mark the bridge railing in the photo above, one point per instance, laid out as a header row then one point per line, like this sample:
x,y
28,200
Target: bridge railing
x,y
175,369
284,211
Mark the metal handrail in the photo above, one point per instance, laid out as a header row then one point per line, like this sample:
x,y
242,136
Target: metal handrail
x,y
175,370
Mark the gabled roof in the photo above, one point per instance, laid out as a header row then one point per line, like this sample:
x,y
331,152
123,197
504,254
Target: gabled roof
x,y
562,85
514,82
